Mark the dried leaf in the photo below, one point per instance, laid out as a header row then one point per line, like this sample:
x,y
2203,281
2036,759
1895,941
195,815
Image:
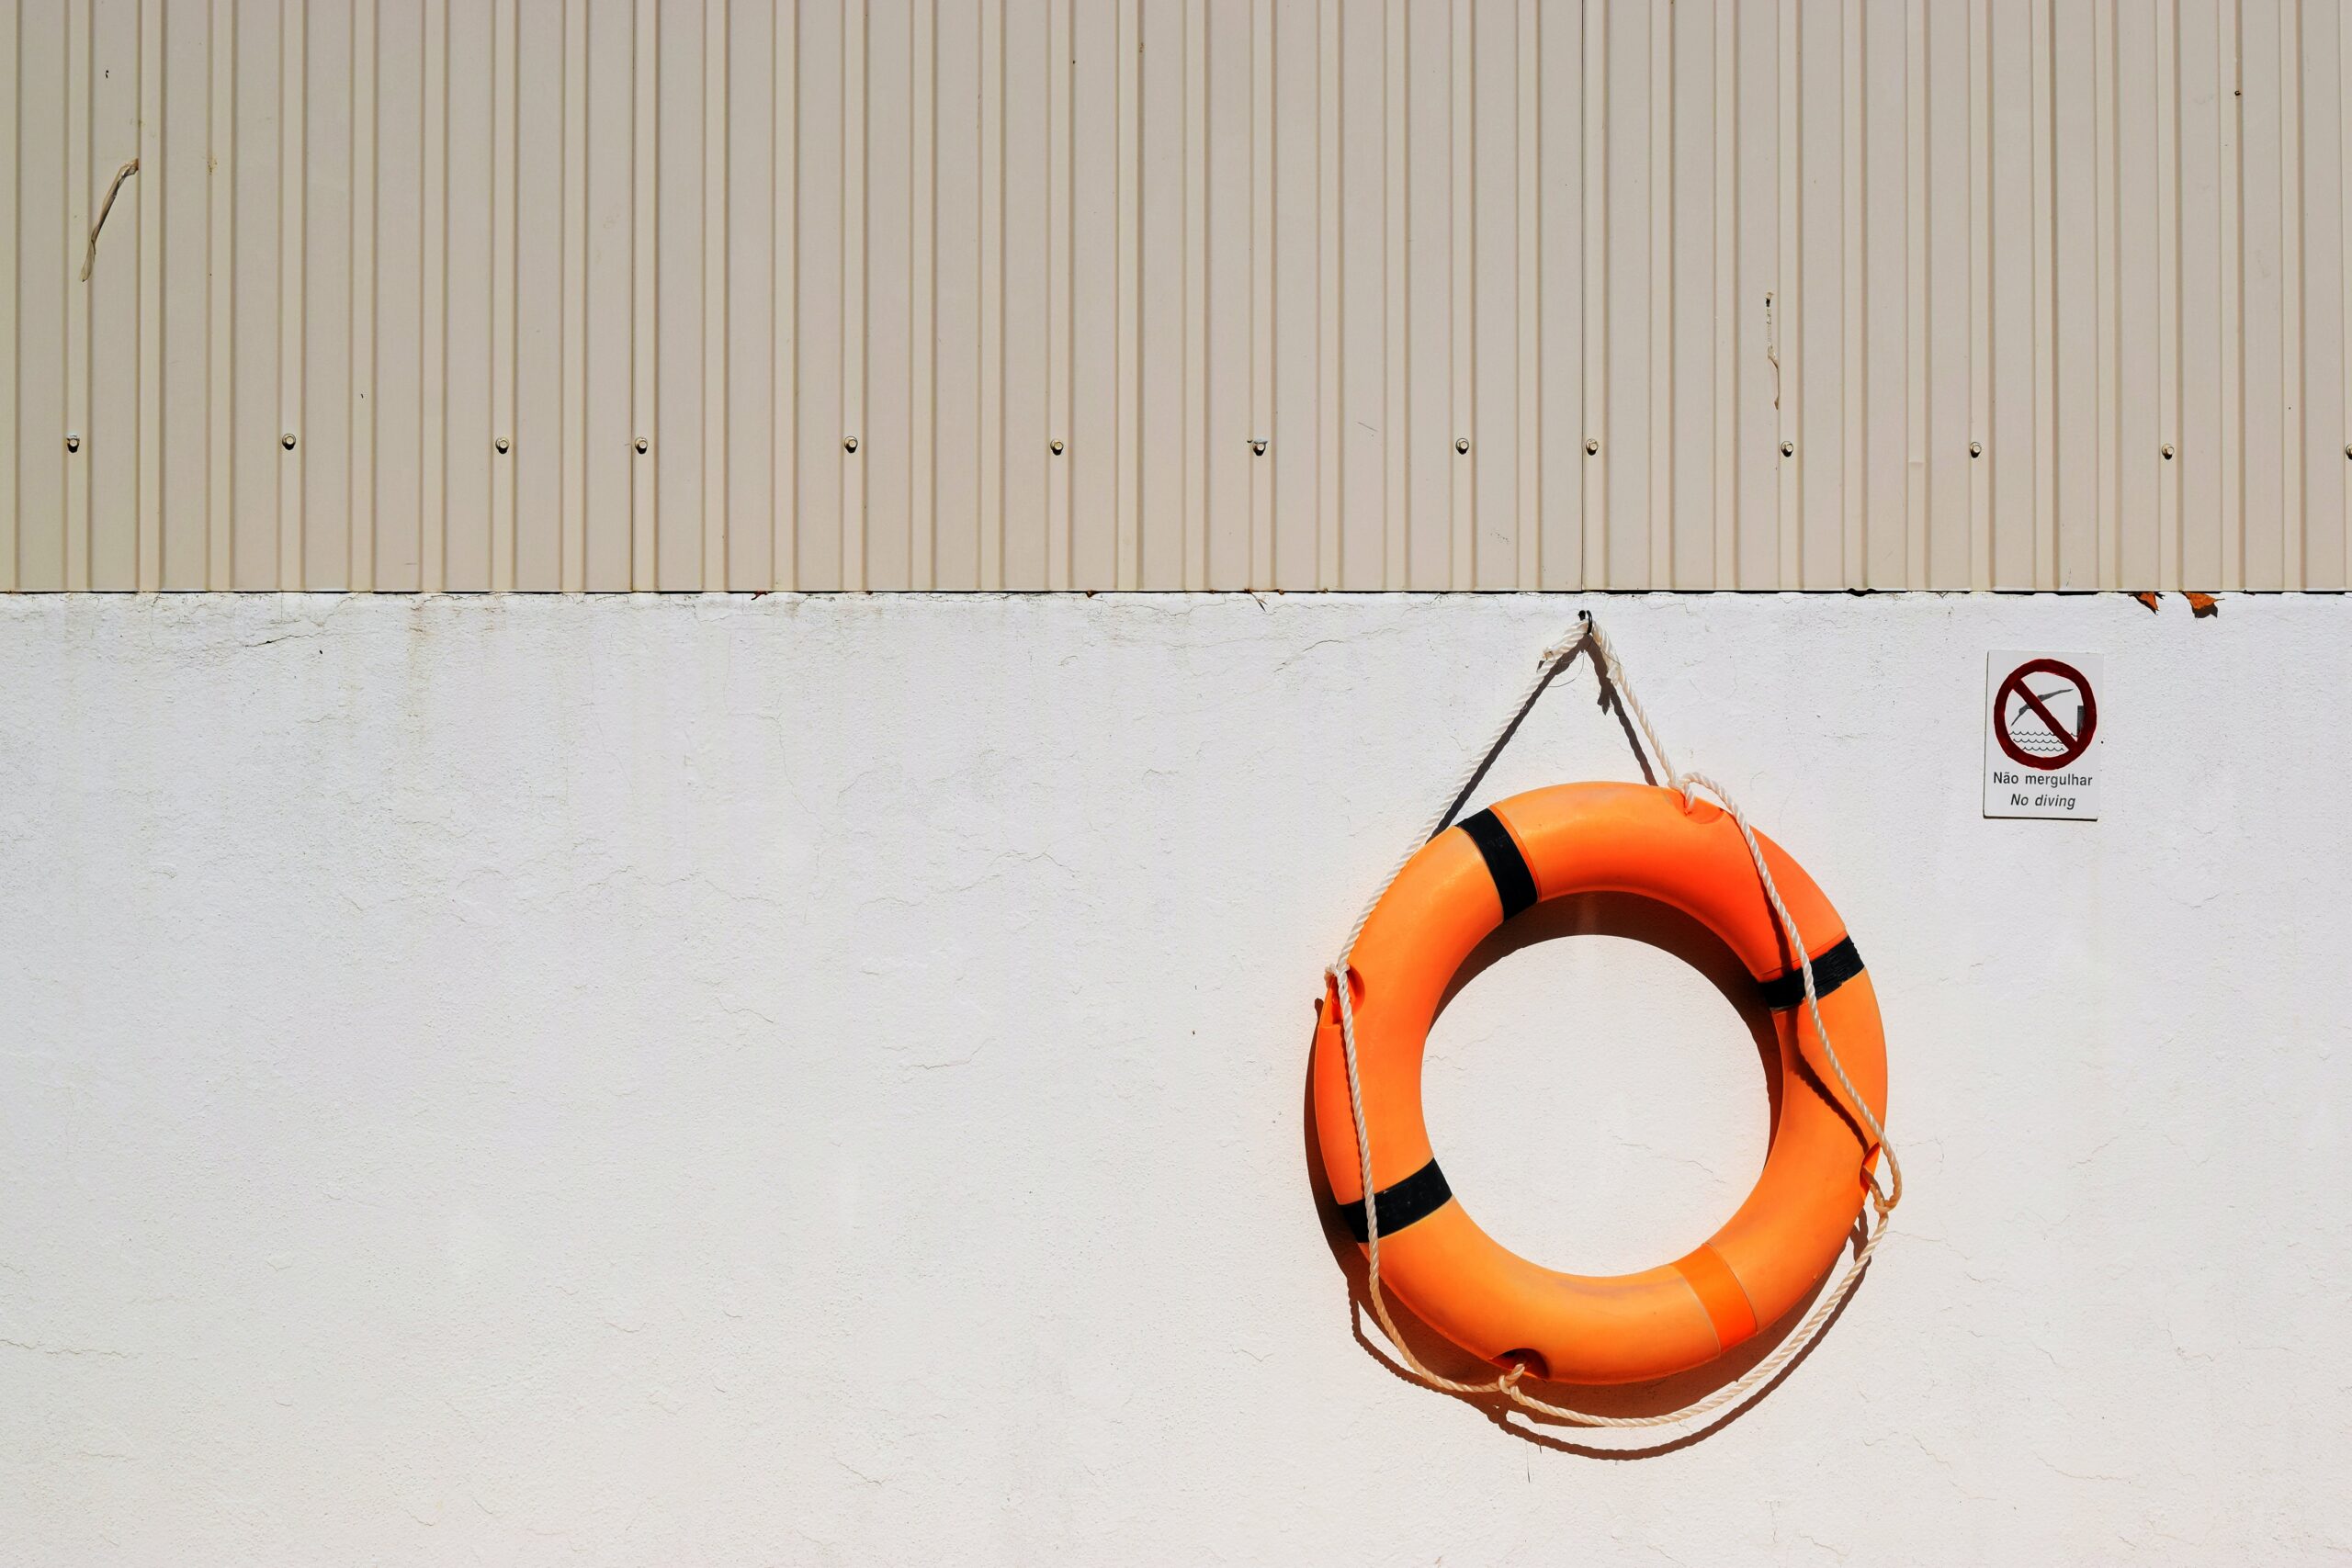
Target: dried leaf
x,y
2203,605
2147,599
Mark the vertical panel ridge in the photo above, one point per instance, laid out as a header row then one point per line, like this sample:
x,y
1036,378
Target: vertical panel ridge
x,y
13,368
716,83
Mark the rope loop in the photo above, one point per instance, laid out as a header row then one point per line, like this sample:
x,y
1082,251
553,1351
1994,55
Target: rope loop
x,y
1879,1199
1882,1197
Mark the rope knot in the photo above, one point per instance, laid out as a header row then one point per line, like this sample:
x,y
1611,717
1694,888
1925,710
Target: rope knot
x,y
1885,1196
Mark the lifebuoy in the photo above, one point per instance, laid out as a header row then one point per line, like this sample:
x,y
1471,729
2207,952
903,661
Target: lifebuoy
x,y
1783,1240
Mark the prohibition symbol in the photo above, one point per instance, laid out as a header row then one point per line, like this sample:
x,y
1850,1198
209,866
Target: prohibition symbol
x,y
2044,714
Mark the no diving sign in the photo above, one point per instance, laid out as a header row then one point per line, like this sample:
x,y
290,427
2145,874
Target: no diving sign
x,y
2041,734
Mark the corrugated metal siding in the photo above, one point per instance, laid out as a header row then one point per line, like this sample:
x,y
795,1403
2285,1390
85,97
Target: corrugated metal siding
x,y
1514,294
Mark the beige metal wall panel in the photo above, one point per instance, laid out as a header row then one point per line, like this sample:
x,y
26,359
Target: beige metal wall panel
x,y
607,295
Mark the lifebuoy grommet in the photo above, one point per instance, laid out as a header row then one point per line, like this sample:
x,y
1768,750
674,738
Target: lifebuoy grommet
x,y
1782,1241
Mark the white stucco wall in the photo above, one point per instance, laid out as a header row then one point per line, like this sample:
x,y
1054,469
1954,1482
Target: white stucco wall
x,y
785,1082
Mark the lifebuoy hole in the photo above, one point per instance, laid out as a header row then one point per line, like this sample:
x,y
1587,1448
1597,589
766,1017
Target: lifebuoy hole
x,y
1332,993
1595,1104
1537,1367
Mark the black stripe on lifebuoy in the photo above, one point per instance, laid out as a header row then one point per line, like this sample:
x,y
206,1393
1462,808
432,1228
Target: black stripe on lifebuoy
x,y
1830,970
1504,863
1417,1197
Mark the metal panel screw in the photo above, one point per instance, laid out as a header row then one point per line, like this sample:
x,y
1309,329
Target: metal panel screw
x,y
72,444
1058,447
1592,446
1976,448
503,446
644,445
2168,451
1462,444
1257,446
287,441
1788,448
849,443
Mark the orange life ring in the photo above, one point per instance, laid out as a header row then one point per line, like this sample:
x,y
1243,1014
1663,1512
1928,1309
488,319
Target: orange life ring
x,y
1585,838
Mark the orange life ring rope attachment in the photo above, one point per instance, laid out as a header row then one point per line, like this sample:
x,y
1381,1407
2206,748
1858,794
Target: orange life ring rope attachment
x,y
1828,1147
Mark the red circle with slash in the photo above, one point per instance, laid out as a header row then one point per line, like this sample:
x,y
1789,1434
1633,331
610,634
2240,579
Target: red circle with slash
x,y
2071,745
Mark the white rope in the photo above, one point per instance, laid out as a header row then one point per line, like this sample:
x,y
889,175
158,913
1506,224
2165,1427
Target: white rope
x,y
1883,1198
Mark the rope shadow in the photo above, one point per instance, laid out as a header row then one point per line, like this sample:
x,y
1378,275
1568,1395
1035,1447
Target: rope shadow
x,y
1606,699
